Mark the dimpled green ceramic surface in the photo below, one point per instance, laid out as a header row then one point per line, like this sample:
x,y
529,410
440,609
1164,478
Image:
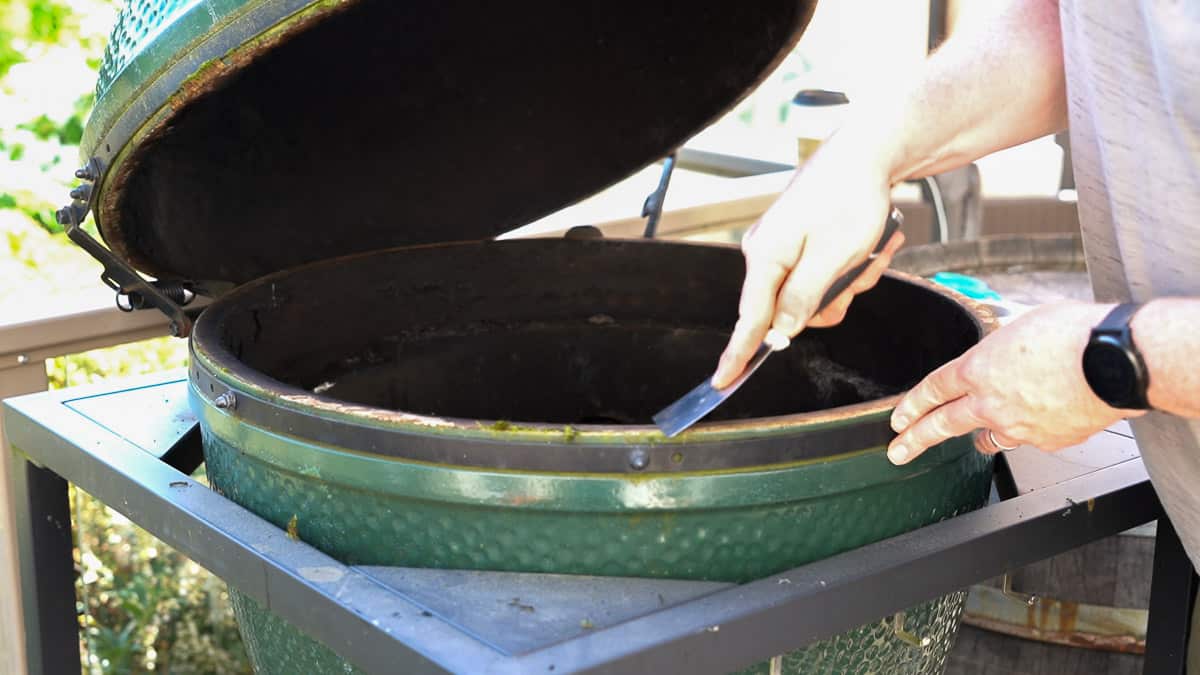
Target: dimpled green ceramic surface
x,y
725,526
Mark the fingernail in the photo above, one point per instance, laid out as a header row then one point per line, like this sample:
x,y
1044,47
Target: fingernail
x,y
897,454
776,340
785,323
718,378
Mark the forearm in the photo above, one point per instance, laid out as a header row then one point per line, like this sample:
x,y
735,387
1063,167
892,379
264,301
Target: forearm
x,y
996,82
1167,333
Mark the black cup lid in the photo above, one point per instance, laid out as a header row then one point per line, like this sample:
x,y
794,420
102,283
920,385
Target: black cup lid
x,y
388,123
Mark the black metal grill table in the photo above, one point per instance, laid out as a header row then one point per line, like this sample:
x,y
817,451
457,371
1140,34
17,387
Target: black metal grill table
x,y
133,446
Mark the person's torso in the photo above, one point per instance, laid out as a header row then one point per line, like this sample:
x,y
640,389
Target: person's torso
x,y
1133,88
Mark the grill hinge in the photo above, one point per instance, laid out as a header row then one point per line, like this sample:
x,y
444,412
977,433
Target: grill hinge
x,y
133,291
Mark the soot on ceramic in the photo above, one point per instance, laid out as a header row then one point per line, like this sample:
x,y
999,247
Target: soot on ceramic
x,y
566,332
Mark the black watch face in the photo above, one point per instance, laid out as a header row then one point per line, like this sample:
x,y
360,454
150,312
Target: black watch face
x,y
1110,371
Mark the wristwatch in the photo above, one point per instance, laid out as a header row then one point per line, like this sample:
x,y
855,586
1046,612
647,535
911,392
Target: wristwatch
x,y
1112,365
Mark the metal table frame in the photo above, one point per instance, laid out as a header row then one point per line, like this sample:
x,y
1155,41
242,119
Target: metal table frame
x,y
382,630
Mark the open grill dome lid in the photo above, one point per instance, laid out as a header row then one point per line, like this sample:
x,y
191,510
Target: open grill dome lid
x,y
240,138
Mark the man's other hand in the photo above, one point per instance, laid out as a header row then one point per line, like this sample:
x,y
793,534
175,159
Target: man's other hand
x,y
1024,383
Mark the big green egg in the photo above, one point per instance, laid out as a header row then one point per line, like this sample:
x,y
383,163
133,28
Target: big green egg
x,y
395,388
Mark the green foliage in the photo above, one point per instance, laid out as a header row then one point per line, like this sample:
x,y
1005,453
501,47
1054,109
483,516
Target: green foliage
x,y
10,32
46,20
66,132
135,358
46,219
42,127
144,607
9,55
37,131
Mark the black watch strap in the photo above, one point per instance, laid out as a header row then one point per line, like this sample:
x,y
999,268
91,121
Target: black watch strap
x,y
1112,365
1120,316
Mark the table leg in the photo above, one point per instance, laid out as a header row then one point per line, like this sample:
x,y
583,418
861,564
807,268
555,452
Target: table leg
x,y
1172,593
43,523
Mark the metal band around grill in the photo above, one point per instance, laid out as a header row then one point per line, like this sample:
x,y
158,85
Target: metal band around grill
x,y
571,453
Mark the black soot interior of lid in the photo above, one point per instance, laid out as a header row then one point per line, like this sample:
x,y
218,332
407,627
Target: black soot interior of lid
x,y
396,123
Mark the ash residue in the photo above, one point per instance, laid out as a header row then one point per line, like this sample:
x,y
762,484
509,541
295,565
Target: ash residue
x,y
831,380
805,378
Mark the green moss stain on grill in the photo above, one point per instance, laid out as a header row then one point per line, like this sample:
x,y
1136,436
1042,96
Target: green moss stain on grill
x,y
506,430
201,72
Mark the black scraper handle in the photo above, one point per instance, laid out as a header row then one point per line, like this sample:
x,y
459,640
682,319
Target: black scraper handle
x,y
894,221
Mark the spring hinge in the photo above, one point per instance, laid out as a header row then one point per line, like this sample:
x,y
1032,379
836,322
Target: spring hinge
x,y
133,291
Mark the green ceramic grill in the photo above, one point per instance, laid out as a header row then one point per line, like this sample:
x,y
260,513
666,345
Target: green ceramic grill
x,y
378,375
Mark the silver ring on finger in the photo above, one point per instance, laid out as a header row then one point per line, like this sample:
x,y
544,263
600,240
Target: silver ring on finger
x,y
992,437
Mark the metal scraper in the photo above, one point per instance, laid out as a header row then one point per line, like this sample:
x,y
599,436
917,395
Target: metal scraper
x,y
697,403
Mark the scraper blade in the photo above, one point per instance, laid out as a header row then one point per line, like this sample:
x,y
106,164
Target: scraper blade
x,y
697,403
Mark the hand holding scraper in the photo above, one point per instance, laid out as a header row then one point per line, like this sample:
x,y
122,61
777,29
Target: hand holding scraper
x,y
697,403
